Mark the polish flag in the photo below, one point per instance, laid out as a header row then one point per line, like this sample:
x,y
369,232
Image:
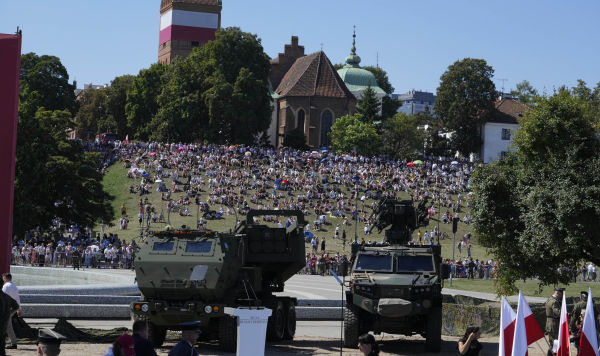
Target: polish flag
x,y
588,344
519,346
507,328
534,331
127,139
563,331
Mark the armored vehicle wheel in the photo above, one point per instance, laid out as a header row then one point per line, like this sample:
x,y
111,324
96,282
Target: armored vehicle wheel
x,y
156,334
276,325
290,322
351,326
433,341
228,334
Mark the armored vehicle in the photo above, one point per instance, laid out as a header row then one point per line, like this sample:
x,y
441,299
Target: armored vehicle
x,y
395,287
192,275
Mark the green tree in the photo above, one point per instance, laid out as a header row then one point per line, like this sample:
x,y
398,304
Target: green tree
x,y
368,106
295,139
589,99
350,134
465,98
526,93
91,116
116,100
382,78
142,99
538,210
401,137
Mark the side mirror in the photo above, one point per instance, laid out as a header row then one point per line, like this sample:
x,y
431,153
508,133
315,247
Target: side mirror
x,y
445,269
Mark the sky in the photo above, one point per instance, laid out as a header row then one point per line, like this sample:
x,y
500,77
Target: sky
x,y
550,43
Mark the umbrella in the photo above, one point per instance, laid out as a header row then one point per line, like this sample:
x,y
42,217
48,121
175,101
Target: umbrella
x,y
248,153
158,181
152,153
418,162
410,164
145,175
454,162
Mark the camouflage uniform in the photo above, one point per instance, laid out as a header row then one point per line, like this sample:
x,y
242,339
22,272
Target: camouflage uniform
x,y
552,318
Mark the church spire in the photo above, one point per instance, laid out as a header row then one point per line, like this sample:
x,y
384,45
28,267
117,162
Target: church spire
x,y
353,50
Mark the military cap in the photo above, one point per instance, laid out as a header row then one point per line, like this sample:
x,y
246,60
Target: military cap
x,y
559,289
48,336
191,325
584,293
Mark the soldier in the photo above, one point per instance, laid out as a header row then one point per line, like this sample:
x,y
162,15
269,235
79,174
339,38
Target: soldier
x,y
553,306
76,258
185,347
7,306
49,342
577,307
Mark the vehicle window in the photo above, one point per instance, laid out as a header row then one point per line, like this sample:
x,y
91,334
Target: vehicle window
x,y
374,263
163,246
198,247
414,264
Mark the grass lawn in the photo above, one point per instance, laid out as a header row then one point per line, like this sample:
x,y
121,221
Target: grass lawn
x,y
530,288
117,184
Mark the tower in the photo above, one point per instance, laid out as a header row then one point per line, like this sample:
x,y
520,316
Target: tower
x,y
185,24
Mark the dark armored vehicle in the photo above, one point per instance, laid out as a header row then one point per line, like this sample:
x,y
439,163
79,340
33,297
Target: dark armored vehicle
x,y
192,275
395,288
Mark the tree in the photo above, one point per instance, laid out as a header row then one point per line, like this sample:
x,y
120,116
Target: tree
x,y
589,99
295,139
142,99
351,134
91,116
368,106
526,93
382,79
465,98
116,100
538,210
401,137
219,93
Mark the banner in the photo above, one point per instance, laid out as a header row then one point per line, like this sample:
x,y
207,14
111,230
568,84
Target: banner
x,y
10,67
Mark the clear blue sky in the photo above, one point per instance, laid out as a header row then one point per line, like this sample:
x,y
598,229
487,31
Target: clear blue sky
x,y
550,43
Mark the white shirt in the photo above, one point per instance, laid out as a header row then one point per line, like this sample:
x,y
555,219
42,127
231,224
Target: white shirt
x,y
12,290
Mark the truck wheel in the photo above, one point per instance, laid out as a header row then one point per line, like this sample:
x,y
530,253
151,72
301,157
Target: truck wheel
x,y
433,342
351,326
228,334
290,322
156,334
276,325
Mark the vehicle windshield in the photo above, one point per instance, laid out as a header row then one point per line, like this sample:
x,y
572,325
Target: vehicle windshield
x,y
414,264
382,263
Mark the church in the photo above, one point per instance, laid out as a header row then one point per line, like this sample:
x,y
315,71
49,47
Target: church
x,y
309,94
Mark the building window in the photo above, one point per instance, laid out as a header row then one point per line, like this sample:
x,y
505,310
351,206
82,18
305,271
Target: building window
x,y
506,134
195,43
300,122
326,123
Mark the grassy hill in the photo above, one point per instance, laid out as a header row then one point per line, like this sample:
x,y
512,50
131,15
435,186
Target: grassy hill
x,y
117,184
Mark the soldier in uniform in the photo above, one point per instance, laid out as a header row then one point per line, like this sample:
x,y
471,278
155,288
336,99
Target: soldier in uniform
x,y
577,307
76,258
553,305
189,334
49,342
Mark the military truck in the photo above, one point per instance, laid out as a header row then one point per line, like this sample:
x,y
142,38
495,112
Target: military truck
x,y
192,275
395,287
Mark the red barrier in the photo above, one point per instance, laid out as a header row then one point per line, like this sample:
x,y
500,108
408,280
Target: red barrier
x,y
10,67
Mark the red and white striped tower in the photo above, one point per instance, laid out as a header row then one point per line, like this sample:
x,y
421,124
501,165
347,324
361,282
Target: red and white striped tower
x,y
185,24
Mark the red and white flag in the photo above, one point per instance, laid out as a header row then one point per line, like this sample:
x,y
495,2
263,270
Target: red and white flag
x,y
507,328
519,347
127,139
588,344
534,331
563,331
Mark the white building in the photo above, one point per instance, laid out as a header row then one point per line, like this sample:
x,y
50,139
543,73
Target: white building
x,y
498,132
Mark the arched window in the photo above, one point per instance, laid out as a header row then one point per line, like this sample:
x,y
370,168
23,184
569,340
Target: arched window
x,y
300,121
326,123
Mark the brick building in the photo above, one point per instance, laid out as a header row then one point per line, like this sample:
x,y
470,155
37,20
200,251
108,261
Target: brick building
x,y
185,24
309,94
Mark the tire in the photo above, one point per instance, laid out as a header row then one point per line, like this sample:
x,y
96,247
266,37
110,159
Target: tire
x,y
290,322
156,334
228,334
433,341
351,326
276,324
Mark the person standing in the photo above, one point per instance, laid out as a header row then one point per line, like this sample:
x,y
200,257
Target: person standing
x,y
12,291
140,336
469,345
7,306
189,335
367,345
553,305
323,245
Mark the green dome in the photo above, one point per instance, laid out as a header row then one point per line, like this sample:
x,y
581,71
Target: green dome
x,y
356,78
